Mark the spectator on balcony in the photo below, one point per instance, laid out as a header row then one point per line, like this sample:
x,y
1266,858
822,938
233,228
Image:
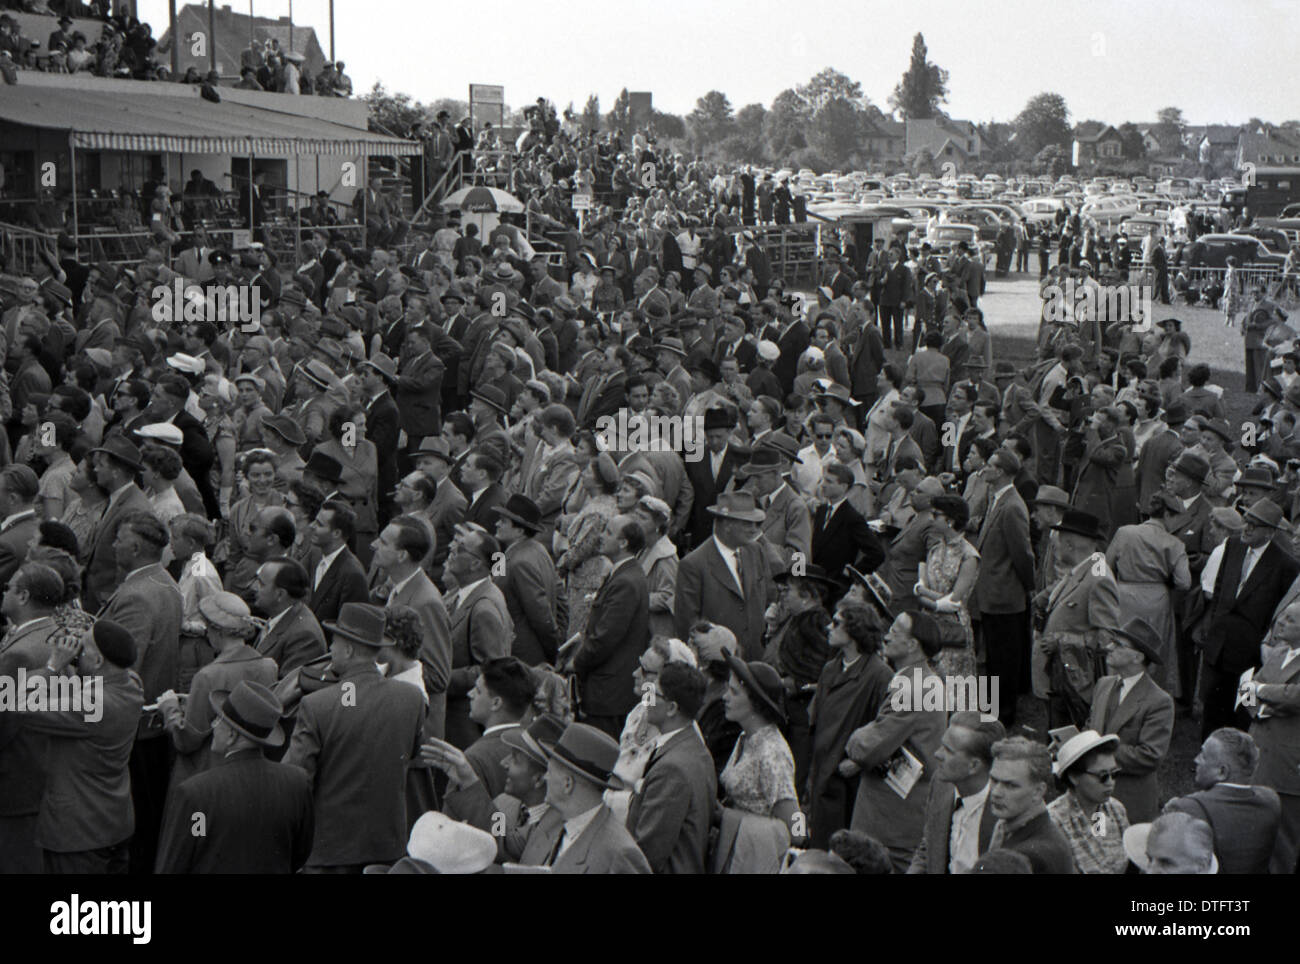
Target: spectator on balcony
x,y
343,85
247,79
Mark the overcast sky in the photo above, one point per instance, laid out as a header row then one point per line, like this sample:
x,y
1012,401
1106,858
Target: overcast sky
x,y
1112,60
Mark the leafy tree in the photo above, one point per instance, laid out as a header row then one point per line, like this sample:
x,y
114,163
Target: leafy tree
x,y
1053,160
1134,145
668,125
394,113
591,114
620,118
829,85
835,132
712,120
1044,121
785,123
923,88
1172,116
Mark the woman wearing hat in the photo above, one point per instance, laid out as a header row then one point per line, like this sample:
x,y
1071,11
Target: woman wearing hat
x,y
1092,820
944,583
191,536
582,565
658,560
229,626
758,781
217,400
849,446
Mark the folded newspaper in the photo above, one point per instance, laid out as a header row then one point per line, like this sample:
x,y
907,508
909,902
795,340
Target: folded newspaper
x,y
902,771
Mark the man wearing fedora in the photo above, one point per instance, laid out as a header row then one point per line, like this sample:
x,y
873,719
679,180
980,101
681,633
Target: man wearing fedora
x,y
115,467
1188,518
447,508
727,579
902,729
1159,452
672,805
1243,814
958,820
1128,703
398,552
1250,576
529,582
258,816
1080,611
356,739
787,525
148,605
605,654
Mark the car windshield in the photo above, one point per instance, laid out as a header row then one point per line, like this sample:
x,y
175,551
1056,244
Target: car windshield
x,y
949,233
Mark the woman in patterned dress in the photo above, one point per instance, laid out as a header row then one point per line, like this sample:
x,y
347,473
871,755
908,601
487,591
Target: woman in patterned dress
x,y
1092,820
944,583
582,565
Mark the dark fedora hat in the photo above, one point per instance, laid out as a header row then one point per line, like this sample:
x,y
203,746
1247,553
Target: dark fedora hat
x,y
1266,514
541,736
122,449
812,572
251,710
1194,466
360,622
1137,632
762,682
522,511
588,752
1081,523
784,443
764,458
876,588
491,395
1221,428
1256,477
1176,413
724,416
699,362
286,428
324,466
434,445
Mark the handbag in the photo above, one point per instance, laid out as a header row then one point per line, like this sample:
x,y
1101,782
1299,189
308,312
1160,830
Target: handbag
x,y
952,632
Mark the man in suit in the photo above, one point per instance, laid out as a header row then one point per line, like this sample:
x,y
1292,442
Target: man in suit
x,y
1272,698
418,386
29,600
115,466
899,444
787,526
958,820
339,577
481,627
1004,582
900,725
733,344
1082,609
728,580
85,818
1244,817
447,508
481,479
356,740
793,342
292,636
192,263
672,807
605,654
1018,779
1160,450
259,815
715,472
897,289
840,536
580,767
398,551
167,404
18,489
252,206
148,605
1129,704
500,697
382,426
1250,577
1185,480
529,582
866,361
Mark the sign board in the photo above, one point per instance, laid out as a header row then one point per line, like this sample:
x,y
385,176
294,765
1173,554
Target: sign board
x,y
487,103
240,238
582,202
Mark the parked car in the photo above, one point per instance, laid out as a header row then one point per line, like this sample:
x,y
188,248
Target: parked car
x,y
1217,247
944,238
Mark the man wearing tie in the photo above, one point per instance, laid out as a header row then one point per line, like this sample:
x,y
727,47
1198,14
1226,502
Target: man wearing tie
x,y
840,536
958,820
1273,700
959,416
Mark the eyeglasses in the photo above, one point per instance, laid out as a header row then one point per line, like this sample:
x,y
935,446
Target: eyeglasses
x,y
825,437
1105,776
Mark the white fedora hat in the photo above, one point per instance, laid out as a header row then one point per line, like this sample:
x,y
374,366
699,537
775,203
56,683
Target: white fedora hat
x,y
450,846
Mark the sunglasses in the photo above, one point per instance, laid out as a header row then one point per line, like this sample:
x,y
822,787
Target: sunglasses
x,y
1105,776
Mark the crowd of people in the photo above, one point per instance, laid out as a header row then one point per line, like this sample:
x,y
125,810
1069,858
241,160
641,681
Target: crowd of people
x,y
377,563
126,48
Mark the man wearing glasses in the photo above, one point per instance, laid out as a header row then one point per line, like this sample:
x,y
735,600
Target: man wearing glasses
x,y
1128,703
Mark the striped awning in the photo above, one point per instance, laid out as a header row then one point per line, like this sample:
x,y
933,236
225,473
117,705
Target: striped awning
x,y
174,122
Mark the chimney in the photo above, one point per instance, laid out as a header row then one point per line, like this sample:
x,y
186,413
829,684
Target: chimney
x,y
284,19
225,8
